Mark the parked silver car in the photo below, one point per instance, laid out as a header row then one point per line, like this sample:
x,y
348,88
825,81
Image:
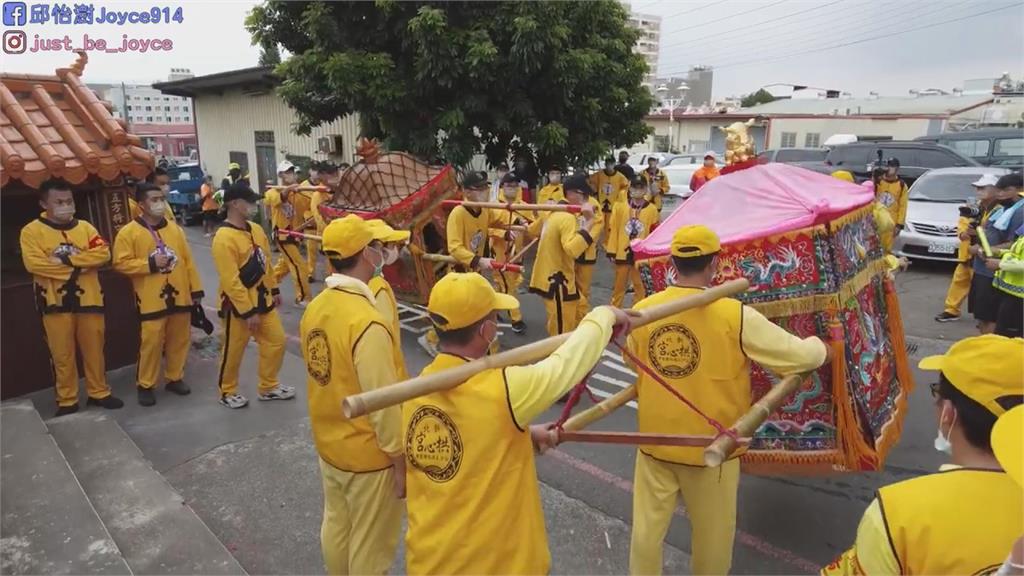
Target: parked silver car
x,y
932,213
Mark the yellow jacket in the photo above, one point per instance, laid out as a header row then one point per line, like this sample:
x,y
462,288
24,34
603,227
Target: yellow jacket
x,y
561,243
387,306
657,184
628,223
502,218
232,249
73,284
157,293
596,232
893,195
610,189
347,348
467,231
288,213
314,208
551,192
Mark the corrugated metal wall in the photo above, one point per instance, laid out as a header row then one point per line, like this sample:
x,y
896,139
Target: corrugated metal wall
x,y
228,122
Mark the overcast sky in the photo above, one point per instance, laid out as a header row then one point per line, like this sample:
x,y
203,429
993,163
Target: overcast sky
x,y
749,43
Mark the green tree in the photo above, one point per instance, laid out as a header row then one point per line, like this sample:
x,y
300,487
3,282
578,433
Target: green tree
x,y
270,54
446,80
762,96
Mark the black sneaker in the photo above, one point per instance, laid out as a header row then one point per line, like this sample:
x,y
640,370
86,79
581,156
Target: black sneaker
x,y
947,317
519,327
312,279
178,387
146,397
110,402
65,410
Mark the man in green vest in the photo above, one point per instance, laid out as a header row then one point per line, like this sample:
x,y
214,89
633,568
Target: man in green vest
x,y
1009,282
964,518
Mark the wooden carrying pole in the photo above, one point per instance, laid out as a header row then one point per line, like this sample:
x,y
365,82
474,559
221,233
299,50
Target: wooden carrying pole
x,y
598,411
370,401
495,265
300,235
638,438
514,206
723,446
519,255
297,188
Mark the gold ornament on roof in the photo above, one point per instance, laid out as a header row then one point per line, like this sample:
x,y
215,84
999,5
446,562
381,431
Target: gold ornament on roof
x,y
739,146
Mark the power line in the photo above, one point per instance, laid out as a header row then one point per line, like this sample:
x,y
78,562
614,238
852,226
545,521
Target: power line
x,y
783,17
869,26
699,7
702,24
869,39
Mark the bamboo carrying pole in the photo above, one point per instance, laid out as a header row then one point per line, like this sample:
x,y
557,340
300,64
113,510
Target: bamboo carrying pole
x,y
301,235
297,188
724,445
495,265
514,206
373,400
638,438
598,411
519,255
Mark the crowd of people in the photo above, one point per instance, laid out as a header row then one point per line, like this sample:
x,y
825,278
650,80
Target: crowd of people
x,y
459,463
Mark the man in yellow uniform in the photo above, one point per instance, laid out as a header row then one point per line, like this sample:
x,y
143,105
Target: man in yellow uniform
x,y
965,518
891,192
586,261
155,254
656,180
384,296
466,232
311,200
162,180
287,210
563,239
960,285
611,186
473,498
348,347
249,297
705,354
552,191
64,255
505,244
330,177
631,219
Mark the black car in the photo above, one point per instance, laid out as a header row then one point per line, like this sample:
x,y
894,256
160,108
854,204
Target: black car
x,y
793,155
915,158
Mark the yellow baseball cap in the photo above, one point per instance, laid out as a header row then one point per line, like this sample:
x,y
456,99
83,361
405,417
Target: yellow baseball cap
x,y
987,369
385,233
347,236
234,166
843,175
1008,443
694,240
459,300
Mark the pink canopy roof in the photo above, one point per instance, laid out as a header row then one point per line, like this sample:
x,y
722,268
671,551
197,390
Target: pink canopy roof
x,y
760,201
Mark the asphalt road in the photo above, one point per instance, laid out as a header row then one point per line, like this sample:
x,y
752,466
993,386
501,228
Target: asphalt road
x,y
785,524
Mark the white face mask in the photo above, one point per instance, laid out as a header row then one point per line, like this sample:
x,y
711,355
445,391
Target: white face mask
x,y
378,268
490,343
390,255
942,443
554,178
251,210
158,209
63,212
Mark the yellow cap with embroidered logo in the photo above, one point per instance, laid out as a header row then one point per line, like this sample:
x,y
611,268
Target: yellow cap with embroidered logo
x,y
988,369
385,233
460,300
694,240
1008,443
346,236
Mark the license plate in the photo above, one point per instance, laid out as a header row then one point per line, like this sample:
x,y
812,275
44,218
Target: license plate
x,y
941,248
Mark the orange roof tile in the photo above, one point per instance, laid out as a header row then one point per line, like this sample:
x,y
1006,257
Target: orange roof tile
x,y
55,126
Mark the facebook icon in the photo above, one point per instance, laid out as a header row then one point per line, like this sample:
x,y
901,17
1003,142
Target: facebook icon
x,y
14,14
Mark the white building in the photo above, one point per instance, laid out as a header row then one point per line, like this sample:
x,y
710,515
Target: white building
x,y
240,118
143,104
649,43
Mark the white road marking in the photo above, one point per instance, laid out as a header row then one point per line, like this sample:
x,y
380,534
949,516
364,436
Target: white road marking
x,y
609,380
601,393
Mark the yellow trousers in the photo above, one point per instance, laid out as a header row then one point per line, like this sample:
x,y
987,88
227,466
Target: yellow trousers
x,y
269,337
584,273
561,316
508,283
362,520
290,262
709,495
623,274
168,337
63,333
959,287
312,253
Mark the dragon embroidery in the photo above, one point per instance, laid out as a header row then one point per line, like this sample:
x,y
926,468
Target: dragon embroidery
x,y
773,272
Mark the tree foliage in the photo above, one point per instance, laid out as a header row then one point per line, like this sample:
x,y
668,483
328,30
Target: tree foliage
x,y
270,54
762,96
447,80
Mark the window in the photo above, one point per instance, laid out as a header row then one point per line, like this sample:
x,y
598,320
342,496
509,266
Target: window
x,y
146,98
661,143
1009,147
973,148
188,118
936,159
812,140
167,108
129,107
788,139
149,118
799,155
149,108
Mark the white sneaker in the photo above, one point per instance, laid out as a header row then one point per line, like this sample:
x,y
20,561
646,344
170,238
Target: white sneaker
x,y
282,392
234,401
429,348
301,304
